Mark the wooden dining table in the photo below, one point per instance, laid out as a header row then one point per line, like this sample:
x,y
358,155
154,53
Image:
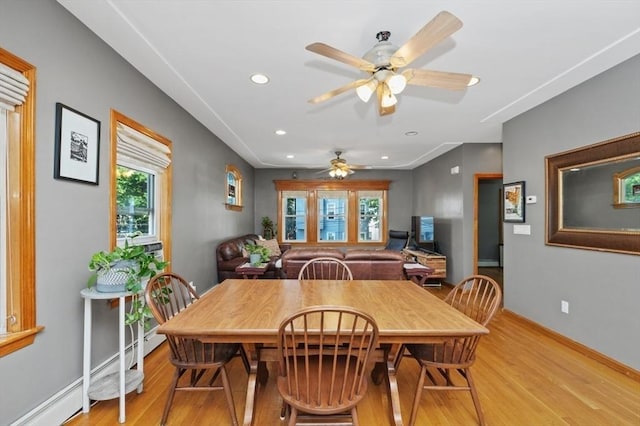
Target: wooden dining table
x,y
250,311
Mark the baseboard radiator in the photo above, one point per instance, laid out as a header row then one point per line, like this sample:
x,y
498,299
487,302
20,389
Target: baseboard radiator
x,y
68,401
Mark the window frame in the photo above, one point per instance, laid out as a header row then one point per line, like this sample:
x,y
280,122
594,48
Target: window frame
x,y
21,267
156,196
352,187
232,170
164,188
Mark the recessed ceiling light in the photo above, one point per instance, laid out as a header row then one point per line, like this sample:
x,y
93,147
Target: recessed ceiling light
x,y
384,157
474,80
290,156
411,133
280,132
259,79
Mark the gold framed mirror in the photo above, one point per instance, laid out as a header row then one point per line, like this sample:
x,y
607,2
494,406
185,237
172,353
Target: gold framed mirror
x,y
583,193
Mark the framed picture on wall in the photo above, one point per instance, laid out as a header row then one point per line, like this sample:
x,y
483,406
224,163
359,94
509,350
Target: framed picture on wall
x,y
77,146
513,202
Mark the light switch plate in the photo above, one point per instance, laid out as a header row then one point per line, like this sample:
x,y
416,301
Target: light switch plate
x,y
532,199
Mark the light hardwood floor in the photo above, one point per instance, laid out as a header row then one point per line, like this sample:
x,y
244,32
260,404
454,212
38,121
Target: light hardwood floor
x,y
523,376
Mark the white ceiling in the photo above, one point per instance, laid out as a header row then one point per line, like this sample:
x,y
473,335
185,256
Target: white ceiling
x,y
202,53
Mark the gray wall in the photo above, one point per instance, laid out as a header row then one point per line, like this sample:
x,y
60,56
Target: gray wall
x,y
400,189
449,198
76,68
602,288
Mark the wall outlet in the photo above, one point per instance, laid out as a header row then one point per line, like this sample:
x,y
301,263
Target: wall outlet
x,y
193,286
564,307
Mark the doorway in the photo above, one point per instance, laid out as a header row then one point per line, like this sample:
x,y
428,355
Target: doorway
x,y
487,225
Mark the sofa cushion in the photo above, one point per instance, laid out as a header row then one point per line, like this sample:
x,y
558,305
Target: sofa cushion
x,y
271,245
356,254
230,249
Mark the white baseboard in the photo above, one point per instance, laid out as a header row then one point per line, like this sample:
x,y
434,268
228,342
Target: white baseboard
x,y
68,401
488,263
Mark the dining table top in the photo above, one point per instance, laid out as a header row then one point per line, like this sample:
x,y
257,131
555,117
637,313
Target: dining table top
x,y
250,311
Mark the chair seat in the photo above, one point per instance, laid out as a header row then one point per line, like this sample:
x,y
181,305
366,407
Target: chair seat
x,y
201,352
446,354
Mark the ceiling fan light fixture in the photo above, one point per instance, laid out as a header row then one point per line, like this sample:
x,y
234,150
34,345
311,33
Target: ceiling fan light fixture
x,y
474,80
388,100
365,91
396,83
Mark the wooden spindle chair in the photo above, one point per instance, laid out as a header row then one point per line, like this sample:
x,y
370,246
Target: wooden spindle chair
x,y
325,268
325,358
167,294
478,297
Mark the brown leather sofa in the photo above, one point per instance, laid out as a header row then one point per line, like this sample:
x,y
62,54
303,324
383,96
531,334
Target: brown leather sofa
x,y
364,264
229,256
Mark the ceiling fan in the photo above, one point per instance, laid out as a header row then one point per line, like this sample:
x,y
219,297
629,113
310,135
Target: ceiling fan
x,y
384,60
339,168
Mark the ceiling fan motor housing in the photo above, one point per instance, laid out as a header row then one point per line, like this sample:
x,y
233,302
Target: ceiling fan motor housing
x,y
383,50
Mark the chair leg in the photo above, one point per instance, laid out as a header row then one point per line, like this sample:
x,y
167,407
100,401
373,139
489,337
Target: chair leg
x,y
172,392
354,417
226,385
293,416
474,396
418,395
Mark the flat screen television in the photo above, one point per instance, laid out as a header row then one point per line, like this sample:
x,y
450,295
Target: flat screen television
x,y
423,230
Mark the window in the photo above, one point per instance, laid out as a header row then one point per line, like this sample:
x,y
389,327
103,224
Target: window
x,y
135,196
626,188
344,212
17,214
294,212
141,183
233,188
369,222
332,215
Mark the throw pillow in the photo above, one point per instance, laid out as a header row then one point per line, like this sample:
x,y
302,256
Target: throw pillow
x,y
271,245
245,253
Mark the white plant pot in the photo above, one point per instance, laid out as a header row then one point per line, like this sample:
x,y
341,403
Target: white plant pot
x,y
115,279
254,259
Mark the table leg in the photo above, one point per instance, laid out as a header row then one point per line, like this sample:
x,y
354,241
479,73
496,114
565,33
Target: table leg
x,y
252,383
386,370
121,332
86,358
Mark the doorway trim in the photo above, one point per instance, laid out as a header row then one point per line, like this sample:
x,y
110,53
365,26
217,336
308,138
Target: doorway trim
x,y
477,177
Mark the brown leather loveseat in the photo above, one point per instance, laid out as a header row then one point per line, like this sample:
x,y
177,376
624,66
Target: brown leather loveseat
x,y
364,264
229,255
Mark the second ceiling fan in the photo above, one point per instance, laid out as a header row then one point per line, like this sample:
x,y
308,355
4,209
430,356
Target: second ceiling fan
x,y
384,60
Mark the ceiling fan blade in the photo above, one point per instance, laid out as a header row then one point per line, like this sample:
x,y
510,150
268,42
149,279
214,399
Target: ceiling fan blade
x,y
339,55
338,91
440,79
436,30
382,111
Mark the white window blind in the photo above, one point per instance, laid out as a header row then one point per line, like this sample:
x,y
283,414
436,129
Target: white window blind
x,y
13,88
139,149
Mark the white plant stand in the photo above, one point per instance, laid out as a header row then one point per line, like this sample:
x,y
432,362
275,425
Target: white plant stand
x,y
115,385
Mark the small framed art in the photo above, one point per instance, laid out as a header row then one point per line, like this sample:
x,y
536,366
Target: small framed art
x,y
77,146
513,206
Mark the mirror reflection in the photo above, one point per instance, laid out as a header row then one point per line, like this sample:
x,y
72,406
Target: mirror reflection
x,y
603,196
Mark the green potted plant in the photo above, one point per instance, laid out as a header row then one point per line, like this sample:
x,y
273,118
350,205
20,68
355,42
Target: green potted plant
x,y
124,269
268,228
257,254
